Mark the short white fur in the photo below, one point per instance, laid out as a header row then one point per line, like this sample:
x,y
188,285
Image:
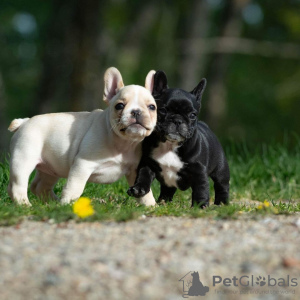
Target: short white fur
x,y
133,105
166,156
79,146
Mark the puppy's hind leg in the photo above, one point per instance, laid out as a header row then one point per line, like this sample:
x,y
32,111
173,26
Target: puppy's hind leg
x,y
221,185
42,185
18,181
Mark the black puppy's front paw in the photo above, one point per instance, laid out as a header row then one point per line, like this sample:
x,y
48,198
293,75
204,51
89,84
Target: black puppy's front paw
x,y
136,191
200,204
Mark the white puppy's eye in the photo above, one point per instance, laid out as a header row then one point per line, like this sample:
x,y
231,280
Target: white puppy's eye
x,y
152,107
119,106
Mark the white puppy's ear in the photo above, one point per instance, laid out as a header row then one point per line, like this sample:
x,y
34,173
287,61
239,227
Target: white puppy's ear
x,y
149,82
113,82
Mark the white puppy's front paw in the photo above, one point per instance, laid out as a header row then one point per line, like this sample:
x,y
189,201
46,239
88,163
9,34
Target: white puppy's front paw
x,y
24,202
148,199
20,200
65,201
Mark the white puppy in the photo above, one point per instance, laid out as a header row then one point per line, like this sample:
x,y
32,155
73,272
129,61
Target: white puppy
x,y
98,146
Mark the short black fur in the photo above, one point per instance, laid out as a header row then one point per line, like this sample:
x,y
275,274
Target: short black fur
x,y
193,148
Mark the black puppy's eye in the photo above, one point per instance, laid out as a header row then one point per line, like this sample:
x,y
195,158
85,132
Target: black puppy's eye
x,y
119,106
163,111
152,107
193,116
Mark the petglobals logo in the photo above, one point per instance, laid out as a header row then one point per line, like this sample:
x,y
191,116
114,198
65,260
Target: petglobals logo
x,y
192,286
255,281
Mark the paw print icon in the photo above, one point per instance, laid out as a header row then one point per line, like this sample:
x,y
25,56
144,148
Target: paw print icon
x,y
261,281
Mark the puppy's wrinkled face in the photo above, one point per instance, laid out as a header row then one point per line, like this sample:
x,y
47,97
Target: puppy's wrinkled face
x,y
132,107
177,115
177,109
133,113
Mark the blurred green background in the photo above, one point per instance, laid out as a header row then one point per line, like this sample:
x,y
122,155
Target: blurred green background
x,y
53,55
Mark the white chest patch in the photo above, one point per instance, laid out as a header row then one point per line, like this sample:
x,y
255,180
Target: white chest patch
x,y
170,163
111,169
108,171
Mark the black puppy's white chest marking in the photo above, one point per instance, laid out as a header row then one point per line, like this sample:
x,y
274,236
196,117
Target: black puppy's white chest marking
x,y
169,161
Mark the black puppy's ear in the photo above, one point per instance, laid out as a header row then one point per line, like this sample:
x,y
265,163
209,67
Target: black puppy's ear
x,y
199,89
160,82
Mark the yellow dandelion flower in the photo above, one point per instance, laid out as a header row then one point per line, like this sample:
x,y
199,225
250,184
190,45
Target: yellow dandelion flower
x,y
83,207
266,203
260,206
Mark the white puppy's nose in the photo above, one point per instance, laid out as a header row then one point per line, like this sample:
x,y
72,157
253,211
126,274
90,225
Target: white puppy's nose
x,y
135,113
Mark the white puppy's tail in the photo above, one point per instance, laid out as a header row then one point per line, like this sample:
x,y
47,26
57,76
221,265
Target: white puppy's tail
x,y
16,123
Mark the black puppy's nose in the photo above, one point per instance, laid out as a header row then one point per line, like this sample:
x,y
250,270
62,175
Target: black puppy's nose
x,y
135,113
177,121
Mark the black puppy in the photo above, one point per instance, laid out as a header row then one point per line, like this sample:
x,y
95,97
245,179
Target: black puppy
x,y
182,152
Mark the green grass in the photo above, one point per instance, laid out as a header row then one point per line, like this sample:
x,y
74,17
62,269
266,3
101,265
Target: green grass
x,y
266,172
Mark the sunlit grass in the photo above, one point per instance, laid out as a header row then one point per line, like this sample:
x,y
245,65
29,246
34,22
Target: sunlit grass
x,y
269,174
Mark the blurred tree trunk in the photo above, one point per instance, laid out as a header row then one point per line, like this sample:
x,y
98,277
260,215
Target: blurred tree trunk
x,y
230,26
3,121
194,61
71,66
130,46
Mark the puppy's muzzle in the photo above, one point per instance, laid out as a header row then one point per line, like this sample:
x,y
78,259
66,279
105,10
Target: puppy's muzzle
x,y
177,122
135,124
177,130
136,115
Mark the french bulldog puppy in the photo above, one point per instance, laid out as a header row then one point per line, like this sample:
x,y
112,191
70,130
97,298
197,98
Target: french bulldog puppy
x,y
98,146
181,152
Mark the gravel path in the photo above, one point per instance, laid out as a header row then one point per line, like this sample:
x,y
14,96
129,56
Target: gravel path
x,y
145,259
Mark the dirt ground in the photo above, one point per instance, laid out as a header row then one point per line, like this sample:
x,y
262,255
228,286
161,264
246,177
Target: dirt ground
x,y
146,259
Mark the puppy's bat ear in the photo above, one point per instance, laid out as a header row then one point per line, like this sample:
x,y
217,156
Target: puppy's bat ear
x,y
199,89
149,82
160,82
113,82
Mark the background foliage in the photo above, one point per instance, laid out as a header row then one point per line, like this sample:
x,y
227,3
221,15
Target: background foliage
x,y
54,53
